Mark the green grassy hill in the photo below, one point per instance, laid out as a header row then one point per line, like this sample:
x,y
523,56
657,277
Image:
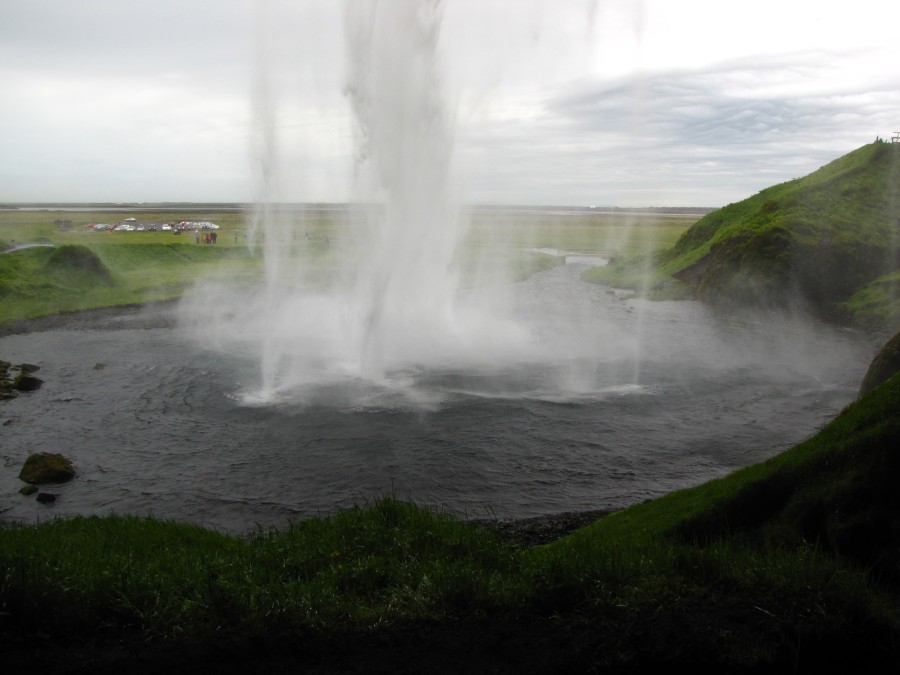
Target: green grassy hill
x,y
71,277
829,240
820,238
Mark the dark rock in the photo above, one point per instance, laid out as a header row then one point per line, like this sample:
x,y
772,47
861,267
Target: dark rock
x,y
27,383
45,467
28,490
24,381
885,364
46,498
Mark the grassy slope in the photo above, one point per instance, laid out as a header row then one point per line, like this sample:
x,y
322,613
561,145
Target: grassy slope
x,y
143,266
824,236
32,285
796,560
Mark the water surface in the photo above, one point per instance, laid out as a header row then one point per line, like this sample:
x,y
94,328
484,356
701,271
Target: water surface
x,y
625,400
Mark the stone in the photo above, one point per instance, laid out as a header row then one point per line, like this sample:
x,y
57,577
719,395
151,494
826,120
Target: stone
x,y
45,467
46,497
885,364
26,382
28,490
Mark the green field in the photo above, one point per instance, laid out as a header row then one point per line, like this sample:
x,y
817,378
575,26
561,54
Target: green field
x,y
149,266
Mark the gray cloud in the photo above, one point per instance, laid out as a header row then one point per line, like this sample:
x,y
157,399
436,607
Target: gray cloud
x,y
731,129
142,101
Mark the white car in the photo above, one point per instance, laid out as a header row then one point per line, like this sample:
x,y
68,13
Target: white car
x,y
167,227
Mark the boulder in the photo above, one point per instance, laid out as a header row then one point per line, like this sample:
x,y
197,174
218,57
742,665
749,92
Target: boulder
x,y
45,467
885,364
46,498
24,381
27,383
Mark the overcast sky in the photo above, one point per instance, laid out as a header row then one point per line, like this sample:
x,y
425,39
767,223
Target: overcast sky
x,y
605,102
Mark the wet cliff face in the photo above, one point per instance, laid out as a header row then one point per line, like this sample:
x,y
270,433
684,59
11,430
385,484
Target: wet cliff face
x,y
749,269
778,268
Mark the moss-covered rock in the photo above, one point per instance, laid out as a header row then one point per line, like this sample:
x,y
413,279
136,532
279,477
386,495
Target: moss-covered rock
x,y
77,264
46,467
25,381
885,364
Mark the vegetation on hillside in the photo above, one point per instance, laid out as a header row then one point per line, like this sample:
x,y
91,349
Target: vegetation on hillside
x,y
829,241
45,279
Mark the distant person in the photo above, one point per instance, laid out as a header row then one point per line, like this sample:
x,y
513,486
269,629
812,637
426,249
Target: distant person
x,y
197,237
214,235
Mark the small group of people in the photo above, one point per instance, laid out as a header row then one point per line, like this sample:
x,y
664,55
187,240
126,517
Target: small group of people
x,y
205,237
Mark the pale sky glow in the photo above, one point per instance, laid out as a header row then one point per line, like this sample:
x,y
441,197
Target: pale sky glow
x,y
581,102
